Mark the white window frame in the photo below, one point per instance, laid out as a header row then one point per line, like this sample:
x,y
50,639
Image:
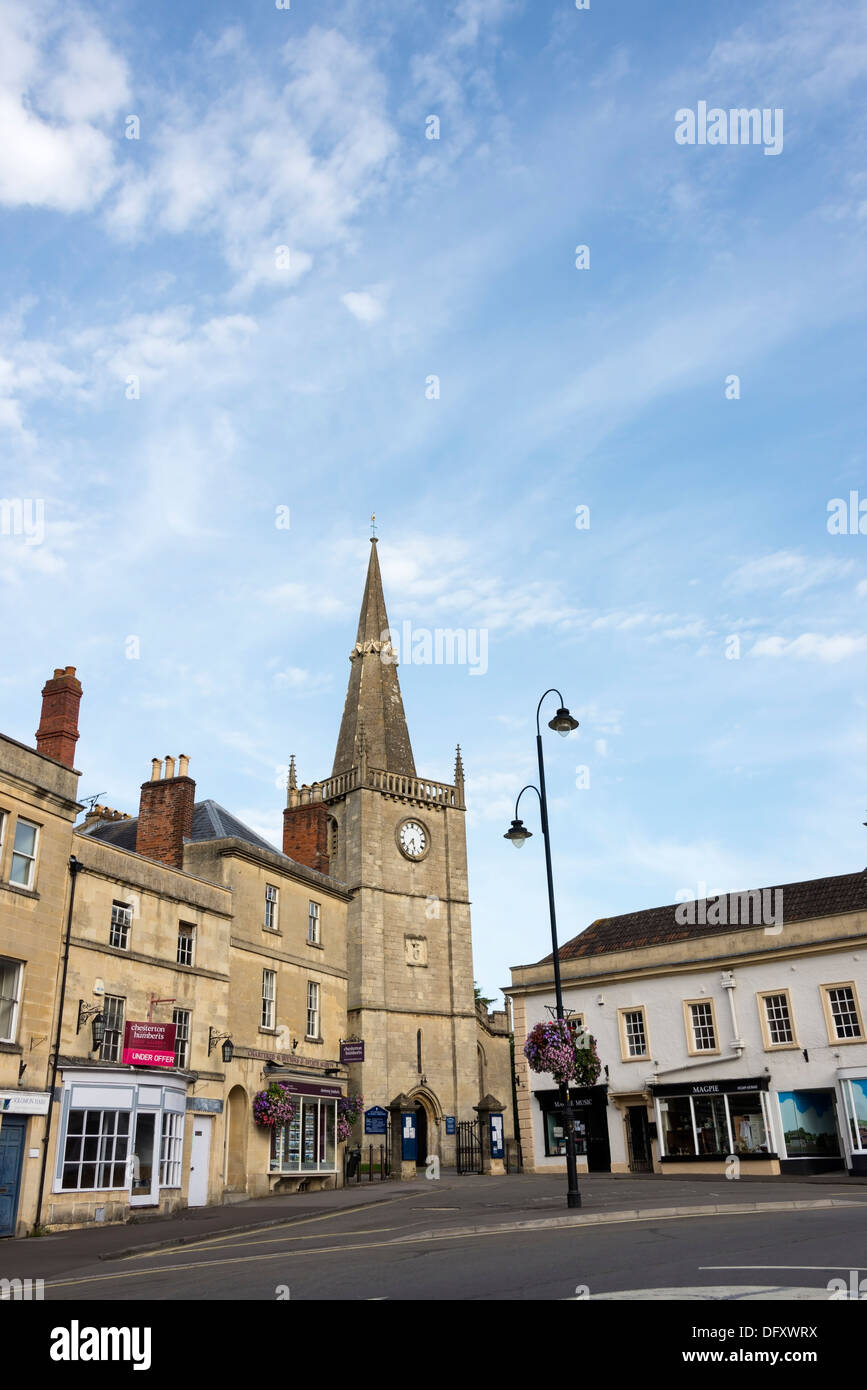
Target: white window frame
x,y
120,925
313,993
103,1053
184,1037
18,968
626,1054
764,999
187,933
171,1148
272,908
268,1016
830,1019
314,917
30,859
102,1161
692,1045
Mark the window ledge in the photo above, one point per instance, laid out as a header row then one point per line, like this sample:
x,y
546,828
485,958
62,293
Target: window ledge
x,y
308,1038
22,892
270,1032
11,1047
317,945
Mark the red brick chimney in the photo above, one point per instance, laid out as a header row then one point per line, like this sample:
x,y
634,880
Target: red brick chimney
x,y
57,734
305,830
165,815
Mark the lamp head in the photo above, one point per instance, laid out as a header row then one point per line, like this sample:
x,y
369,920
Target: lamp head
x,y
563,723
518,833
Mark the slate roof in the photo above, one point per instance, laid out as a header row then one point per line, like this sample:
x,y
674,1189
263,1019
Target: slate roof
x,y
211,821
817,897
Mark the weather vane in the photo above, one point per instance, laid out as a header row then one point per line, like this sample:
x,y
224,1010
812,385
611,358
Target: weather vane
x,y
373,525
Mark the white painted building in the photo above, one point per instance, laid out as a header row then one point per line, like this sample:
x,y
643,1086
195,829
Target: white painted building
x,y
730,1028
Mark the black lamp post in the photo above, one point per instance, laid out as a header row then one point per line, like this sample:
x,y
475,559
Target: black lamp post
x,y
97,1026
227,1051
562,724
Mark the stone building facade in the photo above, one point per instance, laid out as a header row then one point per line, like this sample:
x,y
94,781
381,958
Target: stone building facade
x,y
732,1040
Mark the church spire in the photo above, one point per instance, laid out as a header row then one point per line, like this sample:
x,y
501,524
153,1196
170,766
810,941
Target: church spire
x,y
373,715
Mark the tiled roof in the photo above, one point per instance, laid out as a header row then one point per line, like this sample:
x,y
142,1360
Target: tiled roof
x,y
817,897
210,822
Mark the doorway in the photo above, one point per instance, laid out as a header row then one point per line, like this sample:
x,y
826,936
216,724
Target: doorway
x,y
638,1140
200,1161
420,1135
145,1160
13,1129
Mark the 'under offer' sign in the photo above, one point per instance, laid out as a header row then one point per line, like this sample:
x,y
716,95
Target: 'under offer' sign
x,y
149,1044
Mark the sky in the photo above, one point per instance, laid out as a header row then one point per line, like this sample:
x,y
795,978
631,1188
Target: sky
x,y
269,270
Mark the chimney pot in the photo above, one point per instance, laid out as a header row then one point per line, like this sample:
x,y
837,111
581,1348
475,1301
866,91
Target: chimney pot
x,y
156,769
170,766
183,764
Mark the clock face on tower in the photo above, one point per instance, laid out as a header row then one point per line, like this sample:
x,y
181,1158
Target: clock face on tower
x,y
413,839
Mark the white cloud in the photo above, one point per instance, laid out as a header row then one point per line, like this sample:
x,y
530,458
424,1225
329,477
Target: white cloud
x,y
363,306
788,571
303,682
811,646
60,81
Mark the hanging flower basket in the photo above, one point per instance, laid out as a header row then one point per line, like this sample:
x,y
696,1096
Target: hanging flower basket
x,y
274,1106
348,1111
561,1050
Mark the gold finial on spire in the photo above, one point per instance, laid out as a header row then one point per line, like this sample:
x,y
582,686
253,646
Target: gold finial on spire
x,y
373,526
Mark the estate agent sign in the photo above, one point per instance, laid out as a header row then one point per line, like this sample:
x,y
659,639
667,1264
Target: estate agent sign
x,y
149,1044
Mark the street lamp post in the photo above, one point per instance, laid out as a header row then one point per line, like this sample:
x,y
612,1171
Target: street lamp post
x,y
563,724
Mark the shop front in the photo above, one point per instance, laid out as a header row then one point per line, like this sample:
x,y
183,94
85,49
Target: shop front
x,y
303,1153
120,1140
811,1136
707,1122
590,1121
853,1094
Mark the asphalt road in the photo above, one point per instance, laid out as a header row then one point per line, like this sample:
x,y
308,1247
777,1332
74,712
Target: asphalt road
x,y
400,1250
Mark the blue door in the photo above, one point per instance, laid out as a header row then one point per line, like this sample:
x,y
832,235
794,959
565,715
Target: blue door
x,y
13,1130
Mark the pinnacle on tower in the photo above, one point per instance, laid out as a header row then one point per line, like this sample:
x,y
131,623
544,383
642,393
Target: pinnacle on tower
x,y
459,768
374,708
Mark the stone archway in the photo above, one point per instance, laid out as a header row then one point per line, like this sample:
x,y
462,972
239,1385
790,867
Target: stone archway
x,y
236,1140
429,1115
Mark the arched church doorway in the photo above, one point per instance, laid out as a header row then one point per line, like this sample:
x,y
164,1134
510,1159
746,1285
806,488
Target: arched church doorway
x,y
421,1145
236,1142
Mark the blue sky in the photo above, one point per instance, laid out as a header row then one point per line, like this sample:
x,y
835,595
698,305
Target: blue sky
x,y
259,384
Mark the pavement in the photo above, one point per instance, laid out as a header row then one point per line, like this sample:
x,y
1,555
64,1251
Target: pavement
x,y
457,1206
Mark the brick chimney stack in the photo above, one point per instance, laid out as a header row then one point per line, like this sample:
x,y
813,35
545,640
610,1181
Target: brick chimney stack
x,y
165,817
305,825
57,734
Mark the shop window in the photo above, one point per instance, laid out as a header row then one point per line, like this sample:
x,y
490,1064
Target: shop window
x,y
855,1094
171,1147
809,1127
96,1150
121,921
308,1144
24,854
112,1039
713,1125
677,1132
10,993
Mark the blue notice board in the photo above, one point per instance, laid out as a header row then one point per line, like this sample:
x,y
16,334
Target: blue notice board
x,y
450,1124
376,1120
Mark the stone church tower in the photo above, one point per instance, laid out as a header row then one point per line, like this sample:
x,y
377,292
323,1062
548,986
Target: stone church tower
x,y
399,841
